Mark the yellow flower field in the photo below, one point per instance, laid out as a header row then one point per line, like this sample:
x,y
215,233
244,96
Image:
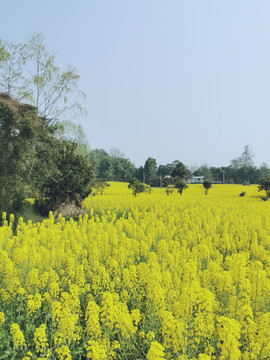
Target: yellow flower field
x,y
148,277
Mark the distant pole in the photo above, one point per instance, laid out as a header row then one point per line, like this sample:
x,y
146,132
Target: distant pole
x,y
160,181
223,177
144,177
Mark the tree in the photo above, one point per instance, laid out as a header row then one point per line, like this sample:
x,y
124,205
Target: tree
x,y
246,158
136,186
165,170
265,185
139,173
28,72
264,171
68,131
150,168
207,184
11,74
105,170
116,153
204,170
70,173
122,169
19,129
180,185
179,170
97,155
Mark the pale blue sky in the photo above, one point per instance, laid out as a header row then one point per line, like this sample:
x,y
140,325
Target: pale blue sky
x,y
186,80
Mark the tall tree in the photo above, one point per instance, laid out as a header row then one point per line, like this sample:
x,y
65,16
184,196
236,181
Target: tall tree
x,y
122,169
179,170
246,158
29,73
19,129
150,169
11,74
105,170
71,172
116,153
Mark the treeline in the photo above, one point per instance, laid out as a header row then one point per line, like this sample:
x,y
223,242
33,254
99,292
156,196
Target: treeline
x,y
42,155
114,166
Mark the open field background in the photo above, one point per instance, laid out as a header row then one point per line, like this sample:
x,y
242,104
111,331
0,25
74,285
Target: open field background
x,y
152,276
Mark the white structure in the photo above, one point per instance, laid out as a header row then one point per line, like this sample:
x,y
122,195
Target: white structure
x,y
196,179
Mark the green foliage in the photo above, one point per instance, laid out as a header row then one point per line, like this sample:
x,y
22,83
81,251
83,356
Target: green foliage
x,y
205,171
70,172
122,169
180,185
28,73
105,170
150,169
112,167
68,131
3,52
179,170
11,72
19,129
136,186
265,185
207,184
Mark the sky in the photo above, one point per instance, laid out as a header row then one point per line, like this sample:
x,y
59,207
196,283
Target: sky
x,y
172,80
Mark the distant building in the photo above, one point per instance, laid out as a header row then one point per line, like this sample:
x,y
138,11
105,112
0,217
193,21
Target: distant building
x,y
196,179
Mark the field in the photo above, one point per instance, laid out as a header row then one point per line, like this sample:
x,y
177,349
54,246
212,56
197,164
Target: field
x,y
148,277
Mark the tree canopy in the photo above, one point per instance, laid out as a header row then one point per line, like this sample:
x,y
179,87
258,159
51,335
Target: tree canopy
x,y
28,73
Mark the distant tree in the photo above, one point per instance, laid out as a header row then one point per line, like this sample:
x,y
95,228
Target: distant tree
x,y
96,155
236,163
139,173
264,171
242,168
116,153
165,170
217,173
150,168
136,186
265,185
180,185
207,184
192,168
105,169
246,158
179,170
205,171
122,169
68,131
